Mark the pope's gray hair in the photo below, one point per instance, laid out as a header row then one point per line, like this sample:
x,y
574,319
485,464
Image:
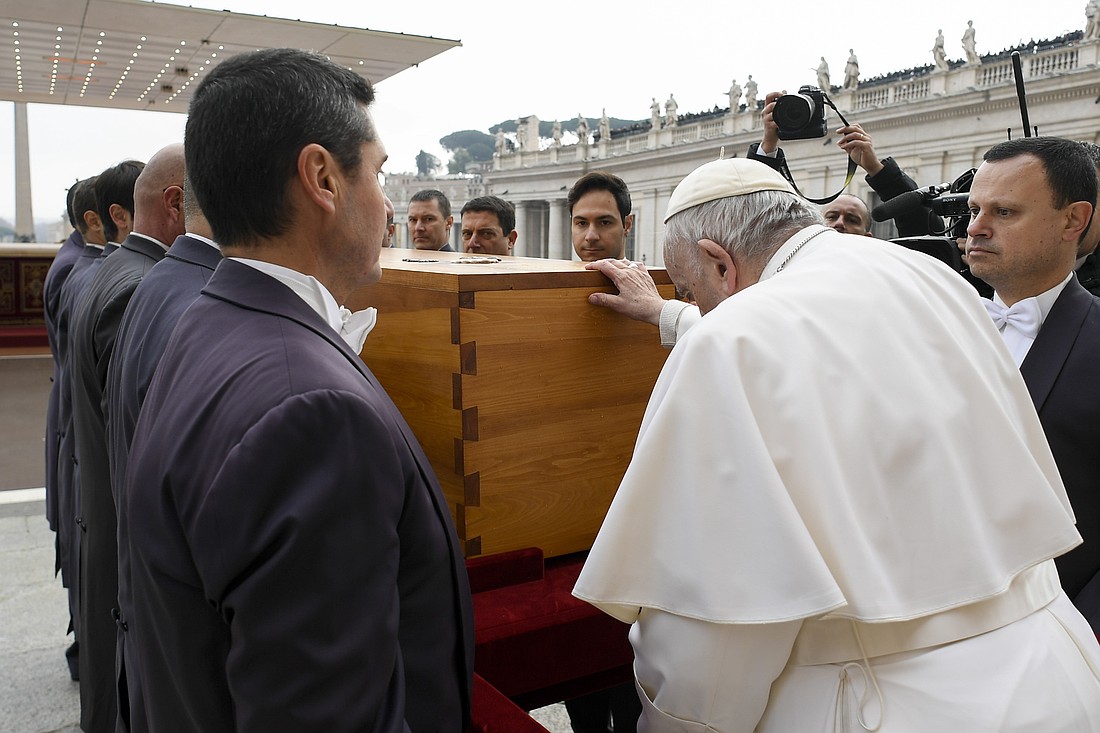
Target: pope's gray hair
x,y
750,227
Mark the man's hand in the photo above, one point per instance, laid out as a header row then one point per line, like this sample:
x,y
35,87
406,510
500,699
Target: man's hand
x,y
857,144
770,142
637,298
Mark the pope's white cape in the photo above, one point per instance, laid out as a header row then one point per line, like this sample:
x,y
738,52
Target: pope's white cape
x,y
850,436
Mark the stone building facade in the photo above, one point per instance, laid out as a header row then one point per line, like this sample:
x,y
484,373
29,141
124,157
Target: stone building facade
x,y
936,123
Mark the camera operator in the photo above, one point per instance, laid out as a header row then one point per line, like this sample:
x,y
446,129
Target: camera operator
x,y
884,175
1088,256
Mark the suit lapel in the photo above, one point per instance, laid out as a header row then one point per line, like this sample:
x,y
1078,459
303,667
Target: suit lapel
x,y
1056,337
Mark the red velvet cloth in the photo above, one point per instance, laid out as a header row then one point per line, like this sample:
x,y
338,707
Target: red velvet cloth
x,y
21,337
535,642
494,713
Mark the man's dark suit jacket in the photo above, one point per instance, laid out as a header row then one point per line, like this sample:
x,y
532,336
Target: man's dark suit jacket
x,y
94,329
295,567
1060,371
69,531
67,255
155,308
1088,274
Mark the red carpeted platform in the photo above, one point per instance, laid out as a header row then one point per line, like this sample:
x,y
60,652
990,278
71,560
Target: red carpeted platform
x,y
535,642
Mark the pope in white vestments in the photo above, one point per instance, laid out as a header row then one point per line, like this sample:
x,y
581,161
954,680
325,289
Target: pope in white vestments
x,y
841,509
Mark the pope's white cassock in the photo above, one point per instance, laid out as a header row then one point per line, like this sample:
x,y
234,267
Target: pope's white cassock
x,y
840,515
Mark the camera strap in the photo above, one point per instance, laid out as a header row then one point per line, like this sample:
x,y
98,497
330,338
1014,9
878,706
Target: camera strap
x,y
786,172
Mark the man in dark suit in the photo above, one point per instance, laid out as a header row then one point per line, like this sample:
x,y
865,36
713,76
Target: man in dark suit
x,y
67,255
96,248
295,567
1088,258
151,316
158,218
1031,203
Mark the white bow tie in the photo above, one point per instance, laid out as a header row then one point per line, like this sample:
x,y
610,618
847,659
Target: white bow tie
x,y
356,326
1023,316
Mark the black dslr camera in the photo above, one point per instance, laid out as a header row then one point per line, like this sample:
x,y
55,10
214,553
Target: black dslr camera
x,y
801,116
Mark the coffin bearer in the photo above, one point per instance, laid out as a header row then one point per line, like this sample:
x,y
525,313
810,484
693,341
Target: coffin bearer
x,y
157,221
430,221
804,532
488,226
295,566
599,213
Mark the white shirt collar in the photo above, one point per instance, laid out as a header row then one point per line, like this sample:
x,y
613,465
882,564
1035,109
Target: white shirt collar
x,y
352,327
1045,299
154,240
201,238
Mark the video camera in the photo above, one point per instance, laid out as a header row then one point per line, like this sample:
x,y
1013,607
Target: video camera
x,y
947,200
801,116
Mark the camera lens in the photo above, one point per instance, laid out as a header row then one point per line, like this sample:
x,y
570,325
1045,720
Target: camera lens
x,y
793,111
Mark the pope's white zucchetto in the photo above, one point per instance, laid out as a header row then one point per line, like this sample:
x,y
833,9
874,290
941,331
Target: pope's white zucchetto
x,y
721,179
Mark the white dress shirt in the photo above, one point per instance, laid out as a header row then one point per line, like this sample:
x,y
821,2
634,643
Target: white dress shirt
x,y
352,327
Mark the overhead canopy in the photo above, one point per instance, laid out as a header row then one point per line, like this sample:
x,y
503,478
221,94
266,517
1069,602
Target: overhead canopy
x,y
132,54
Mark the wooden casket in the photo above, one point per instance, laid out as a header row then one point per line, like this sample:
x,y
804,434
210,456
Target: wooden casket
x,y
526,398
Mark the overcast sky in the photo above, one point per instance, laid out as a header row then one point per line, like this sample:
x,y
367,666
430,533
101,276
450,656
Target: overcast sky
x,y
556,60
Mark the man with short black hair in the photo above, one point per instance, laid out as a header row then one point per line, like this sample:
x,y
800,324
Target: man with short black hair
x,y
96,250
1088,259
488,226
67,256
430,221
599,213
114,195
63,261
295,565
1031,203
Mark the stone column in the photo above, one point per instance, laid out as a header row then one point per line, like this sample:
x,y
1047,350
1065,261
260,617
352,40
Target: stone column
x,y
560,247
521,248
24,214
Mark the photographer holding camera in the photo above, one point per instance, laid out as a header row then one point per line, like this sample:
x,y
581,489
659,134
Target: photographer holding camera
x,y
884,175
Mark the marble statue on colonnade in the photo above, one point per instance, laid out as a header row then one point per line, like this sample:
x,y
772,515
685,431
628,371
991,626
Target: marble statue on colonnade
x,y
939,55
823,81
735,97
851,71
969,44
750,94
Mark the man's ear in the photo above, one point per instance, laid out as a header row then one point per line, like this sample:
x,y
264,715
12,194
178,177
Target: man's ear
x,y
1078,216
92,221
318,176
120,216
627,223
512,237
718,266
173,202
